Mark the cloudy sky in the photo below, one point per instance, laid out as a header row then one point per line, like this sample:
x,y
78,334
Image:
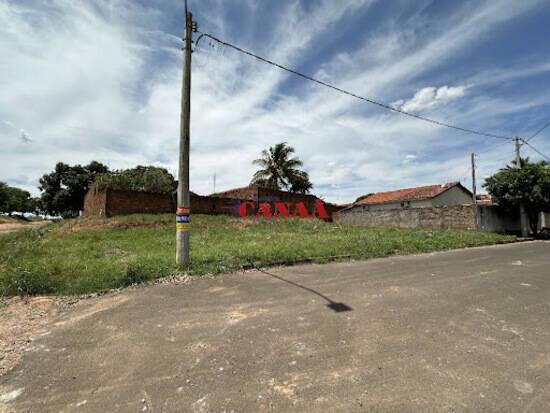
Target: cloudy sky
x,y
86,80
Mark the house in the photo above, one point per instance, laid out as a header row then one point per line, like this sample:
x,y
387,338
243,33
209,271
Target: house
x,y
447,206
500,220
448,194
485,200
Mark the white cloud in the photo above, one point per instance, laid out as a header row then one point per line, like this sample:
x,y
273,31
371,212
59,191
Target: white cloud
x,y
430,97
25,136
92,83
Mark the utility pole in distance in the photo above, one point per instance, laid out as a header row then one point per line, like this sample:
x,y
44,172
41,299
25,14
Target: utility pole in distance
x,y
183,199
522,214
474,190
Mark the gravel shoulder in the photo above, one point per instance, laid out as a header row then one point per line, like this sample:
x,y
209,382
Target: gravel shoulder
x,y
24,319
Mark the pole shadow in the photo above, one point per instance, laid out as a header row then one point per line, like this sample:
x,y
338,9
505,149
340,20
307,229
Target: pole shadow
x,y
333,305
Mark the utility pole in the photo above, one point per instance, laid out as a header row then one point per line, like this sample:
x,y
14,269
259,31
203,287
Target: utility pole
x,y
474,190
214,183
522,214
183,200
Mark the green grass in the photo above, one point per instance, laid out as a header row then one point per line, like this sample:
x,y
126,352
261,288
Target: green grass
x,y
98,254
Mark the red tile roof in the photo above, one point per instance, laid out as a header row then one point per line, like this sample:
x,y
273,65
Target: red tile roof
x,y
407,194
485,199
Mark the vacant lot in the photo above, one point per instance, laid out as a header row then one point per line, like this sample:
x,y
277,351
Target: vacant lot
x,y
455,332
87,255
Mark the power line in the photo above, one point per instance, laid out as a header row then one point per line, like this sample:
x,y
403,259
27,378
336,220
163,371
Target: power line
x,y
535,149
491,149
539,131
346,92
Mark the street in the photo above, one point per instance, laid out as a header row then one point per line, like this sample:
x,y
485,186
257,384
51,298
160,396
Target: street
x,y
458,331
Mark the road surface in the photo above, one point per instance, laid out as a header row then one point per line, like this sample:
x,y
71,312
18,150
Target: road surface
x,y
459,331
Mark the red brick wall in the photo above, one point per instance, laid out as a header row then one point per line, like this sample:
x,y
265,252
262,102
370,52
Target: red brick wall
x,y
248,192
213,205
95,203
134,202
116,202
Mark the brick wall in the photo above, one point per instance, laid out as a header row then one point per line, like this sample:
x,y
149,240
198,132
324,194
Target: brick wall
x,y
95,203
135,202
115,202
260,194
249,193
448,217
213,205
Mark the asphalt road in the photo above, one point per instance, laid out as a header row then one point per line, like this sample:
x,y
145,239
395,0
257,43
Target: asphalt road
x,y
460,331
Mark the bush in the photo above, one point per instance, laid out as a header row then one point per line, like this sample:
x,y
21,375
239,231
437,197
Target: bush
x,y
29,280
142,271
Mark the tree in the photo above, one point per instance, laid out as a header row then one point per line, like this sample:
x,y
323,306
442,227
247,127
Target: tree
x,y
3,197
360,198
280,170
13,199
528,185
140,178
63,189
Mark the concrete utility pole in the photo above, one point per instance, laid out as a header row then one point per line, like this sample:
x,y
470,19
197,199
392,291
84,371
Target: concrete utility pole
x,y
474,190
522,214
184,204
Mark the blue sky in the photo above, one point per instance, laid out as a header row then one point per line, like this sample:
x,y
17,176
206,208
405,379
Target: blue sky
x,y
101,79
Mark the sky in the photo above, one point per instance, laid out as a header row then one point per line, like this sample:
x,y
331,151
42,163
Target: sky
x,y
85,80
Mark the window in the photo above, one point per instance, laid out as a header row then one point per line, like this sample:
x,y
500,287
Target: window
x,y
405,204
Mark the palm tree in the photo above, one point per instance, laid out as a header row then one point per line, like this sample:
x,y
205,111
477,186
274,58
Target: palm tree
x,y
280,170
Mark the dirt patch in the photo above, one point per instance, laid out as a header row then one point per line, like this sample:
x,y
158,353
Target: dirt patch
x,y
16,226
22,319
241,223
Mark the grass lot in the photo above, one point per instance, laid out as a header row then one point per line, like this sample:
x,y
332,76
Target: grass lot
x,y
97,254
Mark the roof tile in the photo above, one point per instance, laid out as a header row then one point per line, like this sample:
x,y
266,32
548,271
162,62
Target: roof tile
x,y
407,194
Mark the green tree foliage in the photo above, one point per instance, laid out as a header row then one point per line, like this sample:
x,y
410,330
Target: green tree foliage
x,y
14,199
530,185
140,178
3,197
360,198
64,188
280,170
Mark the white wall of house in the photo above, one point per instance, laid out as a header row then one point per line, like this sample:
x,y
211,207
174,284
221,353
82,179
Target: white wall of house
x,y
453,196
423,203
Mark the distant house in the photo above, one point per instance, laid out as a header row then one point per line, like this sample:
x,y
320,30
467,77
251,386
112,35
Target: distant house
x,y
447,206
449,194
485,200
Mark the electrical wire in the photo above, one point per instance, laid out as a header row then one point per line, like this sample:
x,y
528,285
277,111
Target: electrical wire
x,y
535,149
539,131
346,92
491,149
